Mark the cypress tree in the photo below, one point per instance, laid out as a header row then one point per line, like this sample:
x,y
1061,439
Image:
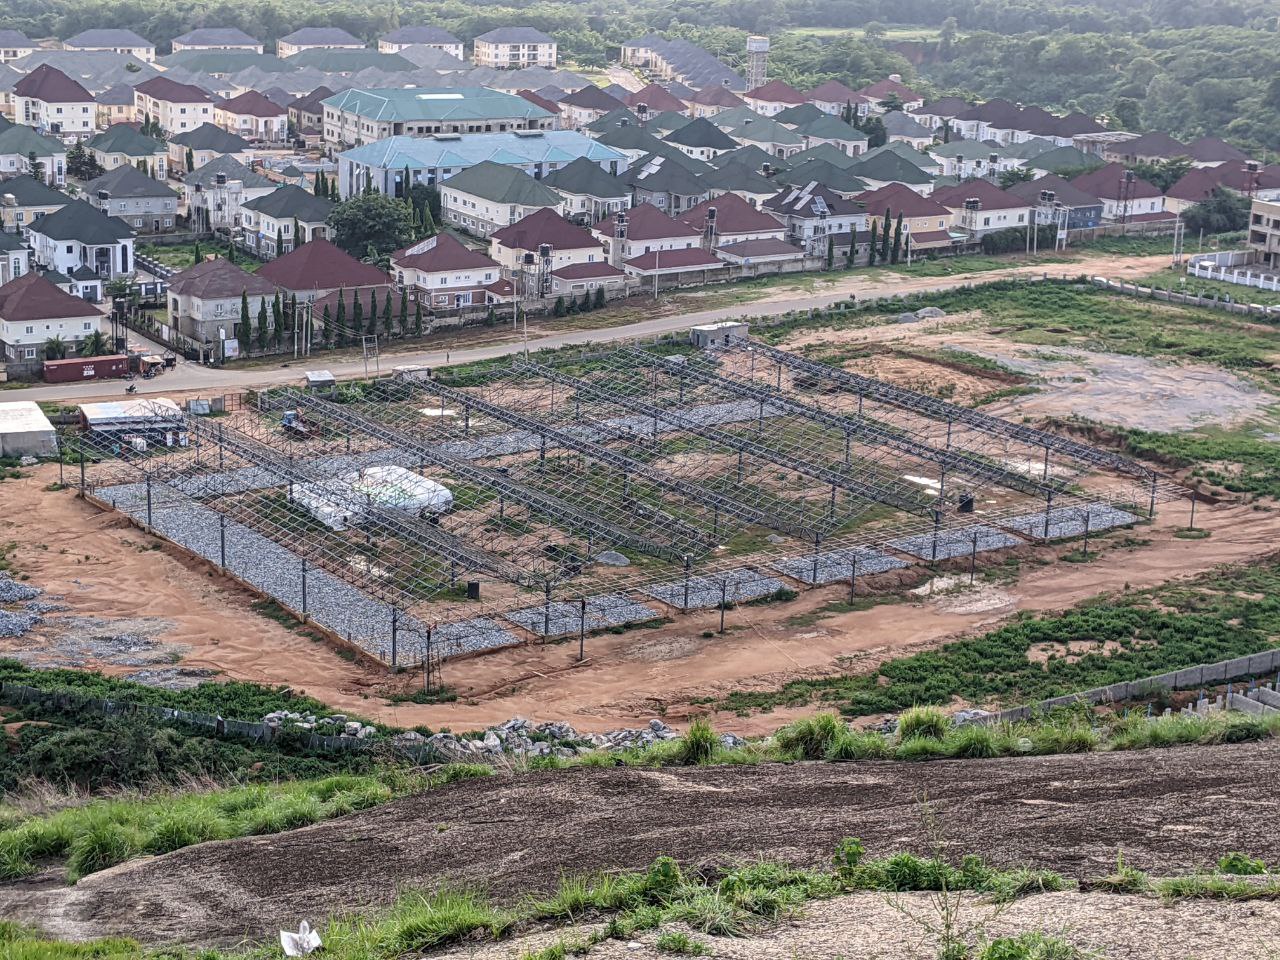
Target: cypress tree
x,y
326,335
293,312
279,242
599,299
585,304
404,310
340,319
884,237
357,313
262,325
831,250
277,318
373,311
245,333
386,316
871,255
191,160
558,309
897,237
417,318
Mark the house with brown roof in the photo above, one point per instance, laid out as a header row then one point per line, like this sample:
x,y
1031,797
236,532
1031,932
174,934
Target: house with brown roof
x,y
1148,148
891,87
642,230
34,310
711,100
1212,152
656,99
1199,183
929,223
811,212
177,107
981,207
444,274
1125,198
773,97
316,268
587,106
205,300
317,38
252,116
306,113
567,242
833,97
50,102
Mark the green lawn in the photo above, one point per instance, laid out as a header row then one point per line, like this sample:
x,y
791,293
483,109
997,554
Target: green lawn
x,y
180,256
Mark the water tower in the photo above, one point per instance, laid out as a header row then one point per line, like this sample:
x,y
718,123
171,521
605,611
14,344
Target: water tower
x,y
757,61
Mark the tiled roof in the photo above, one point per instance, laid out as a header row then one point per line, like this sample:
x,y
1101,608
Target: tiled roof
x,y
32,297
716,96
544,226
810,199
775,91
655,97
988,194
883,89
420,34
441,253
217,37
647,222
733,215
29,192
592,97
1029,190
500,183
106,38
1105,182
124,138
79,221
208,136
833,91
1214,150
163,88
434,104
51,85
220,279
550,146
127,180
253,104
319,265
291,201
766,247
1154,145
599,270
318,36
515,35
896,198
701,134
687,258
234,170
584,178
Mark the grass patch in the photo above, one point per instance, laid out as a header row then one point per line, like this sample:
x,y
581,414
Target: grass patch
x,y
1237,462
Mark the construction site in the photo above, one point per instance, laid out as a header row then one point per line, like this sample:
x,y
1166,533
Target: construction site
x,y
431,515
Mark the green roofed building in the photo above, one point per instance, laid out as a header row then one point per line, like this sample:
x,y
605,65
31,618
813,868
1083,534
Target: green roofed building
x,y
354,117
488,196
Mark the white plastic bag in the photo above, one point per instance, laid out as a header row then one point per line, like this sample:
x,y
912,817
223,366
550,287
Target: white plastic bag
x,y
302,943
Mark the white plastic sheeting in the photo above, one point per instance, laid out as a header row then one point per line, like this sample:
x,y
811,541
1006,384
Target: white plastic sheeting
x,y
341,502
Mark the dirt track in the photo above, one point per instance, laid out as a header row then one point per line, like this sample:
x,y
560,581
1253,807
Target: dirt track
x,y
1169,810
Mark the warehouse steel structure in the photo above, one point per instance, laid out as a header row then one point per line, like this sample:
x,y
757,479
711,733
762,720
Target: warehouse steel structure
x,y
595,489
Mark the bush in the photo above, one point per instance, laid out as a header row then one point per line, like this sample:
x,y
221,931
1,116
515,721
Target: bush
x,y
422,922
1240,865
699,745
101,846
973,741
852,745
1124,879
810,738
1029,946
923,722
921,748
680,943
185,828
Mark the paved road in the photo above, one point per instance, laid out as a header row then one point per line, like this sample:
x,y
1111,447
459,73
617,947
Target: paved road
x,y
191,377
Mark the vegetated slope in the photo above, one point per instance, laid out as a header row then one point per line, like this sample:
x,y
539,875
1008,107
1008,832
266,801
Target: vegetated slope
x,y
1170,810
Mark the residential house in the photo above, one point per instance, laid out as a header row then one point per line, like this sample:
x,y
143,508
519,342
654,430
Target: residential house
x,y
773,97
216,38
79,235
800,113
143,204
24,199
701,139
903,128
966,159
488,196
1264,234
927,223
443,274
1214,152
891,90
812,213
1126,198
14,45
838,179
994,120
381,165
834,98
15,257
359,116
50,102
316,38
19,144
981,207
672,184
566,243
680,61
577,279
642,230
1199,183
738,179
834,132
110,40
33,311
1061,160
422,36
654,98
1148,148
938,115
587,105
510,48
278,221
215,192
177,107
252,116
122,145
728,219
203,145
115,105
306,114
886,167
589,193
205,303
711,100
317,268
774,138
753,158
1056,200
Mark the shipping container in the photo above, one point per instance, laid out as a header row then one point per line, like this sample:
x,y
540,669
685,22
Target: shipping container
x,y
85,368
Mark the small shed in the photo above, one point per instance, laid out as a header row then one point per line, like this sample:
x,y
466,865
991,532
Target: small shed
x,y
158,420
716,334
321,381
25,431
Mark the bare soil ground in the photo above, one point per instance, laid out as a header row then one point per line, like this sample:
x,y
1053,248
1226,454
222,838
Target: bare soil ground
x,y
1170,810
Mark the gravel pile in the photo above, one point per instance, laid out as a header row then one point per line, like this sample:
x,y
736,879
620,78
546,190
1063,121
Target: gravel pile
x,y
1064,522
15,623
565,617
44,606
947,543
835,566
171,678
332,603
12,591
703,591
470,636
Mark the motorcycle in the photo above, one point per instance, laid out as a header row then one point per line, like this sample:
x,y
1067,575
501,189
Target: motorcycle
x,y
131,388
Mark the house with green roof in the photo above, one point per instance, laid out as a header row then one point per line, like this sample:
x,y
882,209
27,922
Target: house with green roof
x,y
143,204
888,167
828,130
488,196
965,159
18,143
827,153
215,192
122,145
197,148
286,217
915,157
590,193
357,116
24,199
1066,161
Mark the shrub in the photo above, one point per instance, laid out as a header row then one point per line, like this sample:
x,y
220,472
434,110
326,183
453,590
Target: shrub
x,y
1014,884
921,748
709,913
699,745
1240,865
102,845
424,921
852,745
283,813
680,943
809,738
1029,946
973,741
186,827
848,855
923,722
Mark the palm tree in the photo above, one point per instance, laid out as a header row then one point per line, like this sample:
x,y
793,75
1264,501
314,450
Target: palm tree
x,y
95,344
55,348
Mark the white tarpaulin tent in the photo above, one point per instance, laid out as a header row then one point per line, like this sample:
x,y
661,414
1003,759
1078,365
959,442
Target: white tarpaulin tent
x,y
25,431
342,502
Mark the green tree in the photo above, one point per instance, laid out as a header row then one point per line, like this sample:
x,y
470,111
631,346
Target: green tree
x,y
277,319
373,220
55,348
293,314
897,239
1127,114
877,136
1163,173
357,313
387,323
1220,212
191,160
244,334
373,312
326,334
279,241
558,309
96,344
340,320
885,236
403,316
831,250
262,328
871,258
318,186
417,318
195,253
599,299
584,305
874,30
1014,175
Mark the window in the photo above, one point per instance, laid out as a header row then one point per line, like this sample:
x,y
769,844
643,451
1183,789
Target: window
x,y
70,248
88,325
31,330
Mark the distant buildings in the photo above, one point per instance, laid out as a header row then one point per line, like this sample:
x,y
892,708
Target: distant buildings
x,y
317,38
423,36
511,48
216,38
356,116
113,41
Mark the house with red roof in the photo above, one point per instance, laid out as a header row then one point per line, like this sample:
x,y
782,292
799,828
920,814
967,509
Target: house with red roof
x,y
773,97
981,207
204,300
254,117
656,98
1198,184
833,96
32,310
51,103
711,100
177,107
1126,198
729,218
567,242
929,224
642,230
444,274
888,88
587,106
317,267
577,279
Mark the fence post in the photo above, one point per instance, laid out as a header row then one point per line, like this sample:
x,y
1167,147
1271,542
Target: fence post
x,y
724,594
304,587
148,503
853,578
222,541
395,635
1192,524
582,629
